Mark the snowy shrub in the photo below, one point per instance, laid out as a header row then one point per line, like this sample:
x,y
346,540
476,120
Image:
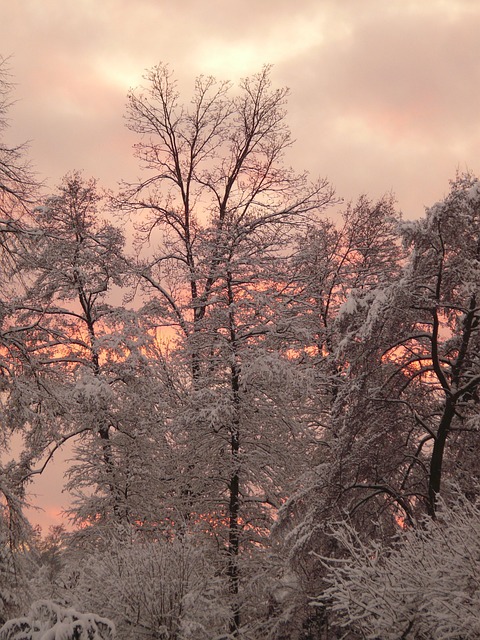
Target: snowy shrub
x,y
47,620
15,563
425,586
163,589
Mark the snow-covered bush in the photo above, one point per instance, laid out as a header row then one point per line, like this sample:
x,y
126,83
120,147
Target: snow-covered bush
x,y
47,620
425,586
15,565
155,590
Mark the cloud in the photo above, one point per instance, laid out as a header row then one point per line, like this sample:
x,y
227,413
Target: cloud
x,y
391,103
413,76
377,87
384,93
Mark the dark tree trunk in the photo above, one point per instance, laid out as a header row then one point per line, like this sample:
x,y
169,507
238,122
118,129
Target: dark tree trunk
x,y
436,461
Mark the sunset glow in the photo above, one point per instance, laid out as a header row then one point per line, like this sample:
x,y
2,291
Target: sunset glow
x,y
377,88
347,99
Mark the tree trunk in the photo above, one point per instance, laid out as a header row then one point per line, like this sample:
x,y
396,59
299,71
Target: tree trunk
x,y
436,461
234,484
234,532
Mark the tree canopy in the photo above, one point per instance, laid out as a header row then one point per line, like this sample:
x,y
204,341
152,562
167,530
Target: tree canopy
x,y
271,396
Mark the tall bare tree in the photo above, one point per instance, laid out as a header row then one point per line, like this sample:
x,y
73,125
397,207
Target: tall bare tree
x,y
18,190
77,339
402,429
219,210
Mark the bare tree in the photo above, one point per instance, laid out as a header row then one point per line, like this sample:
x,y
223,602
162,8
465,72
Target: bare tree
x,y
220,211
18,189
404,415
17,181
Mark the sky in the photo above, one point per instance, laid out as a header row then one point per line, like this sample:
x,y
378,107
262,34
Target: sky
x,y
385,94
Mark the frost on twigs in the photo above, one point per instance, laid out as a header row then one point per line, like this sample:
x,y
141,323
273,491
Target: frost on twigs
x,y
47,620
424,586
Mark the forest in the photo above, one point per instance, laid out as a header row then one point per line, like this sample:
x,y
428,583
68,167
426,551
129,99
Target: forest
x,y
271,395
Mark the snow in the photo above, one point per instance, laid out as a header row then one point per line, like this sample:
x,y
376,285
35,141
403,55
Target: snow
x,y
474,192
48,620
349,307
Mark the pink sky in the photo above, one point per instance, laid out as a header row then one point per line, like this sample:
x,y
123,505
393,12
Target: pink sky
x,y
385,94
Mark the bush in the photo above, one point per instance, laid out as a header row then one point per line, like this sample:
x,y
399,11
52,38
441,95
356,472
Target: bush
x,y
49,621
424,586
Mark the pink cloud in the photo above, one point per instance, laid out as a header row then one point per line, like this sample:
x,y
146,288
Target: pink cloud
x,y
386,98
